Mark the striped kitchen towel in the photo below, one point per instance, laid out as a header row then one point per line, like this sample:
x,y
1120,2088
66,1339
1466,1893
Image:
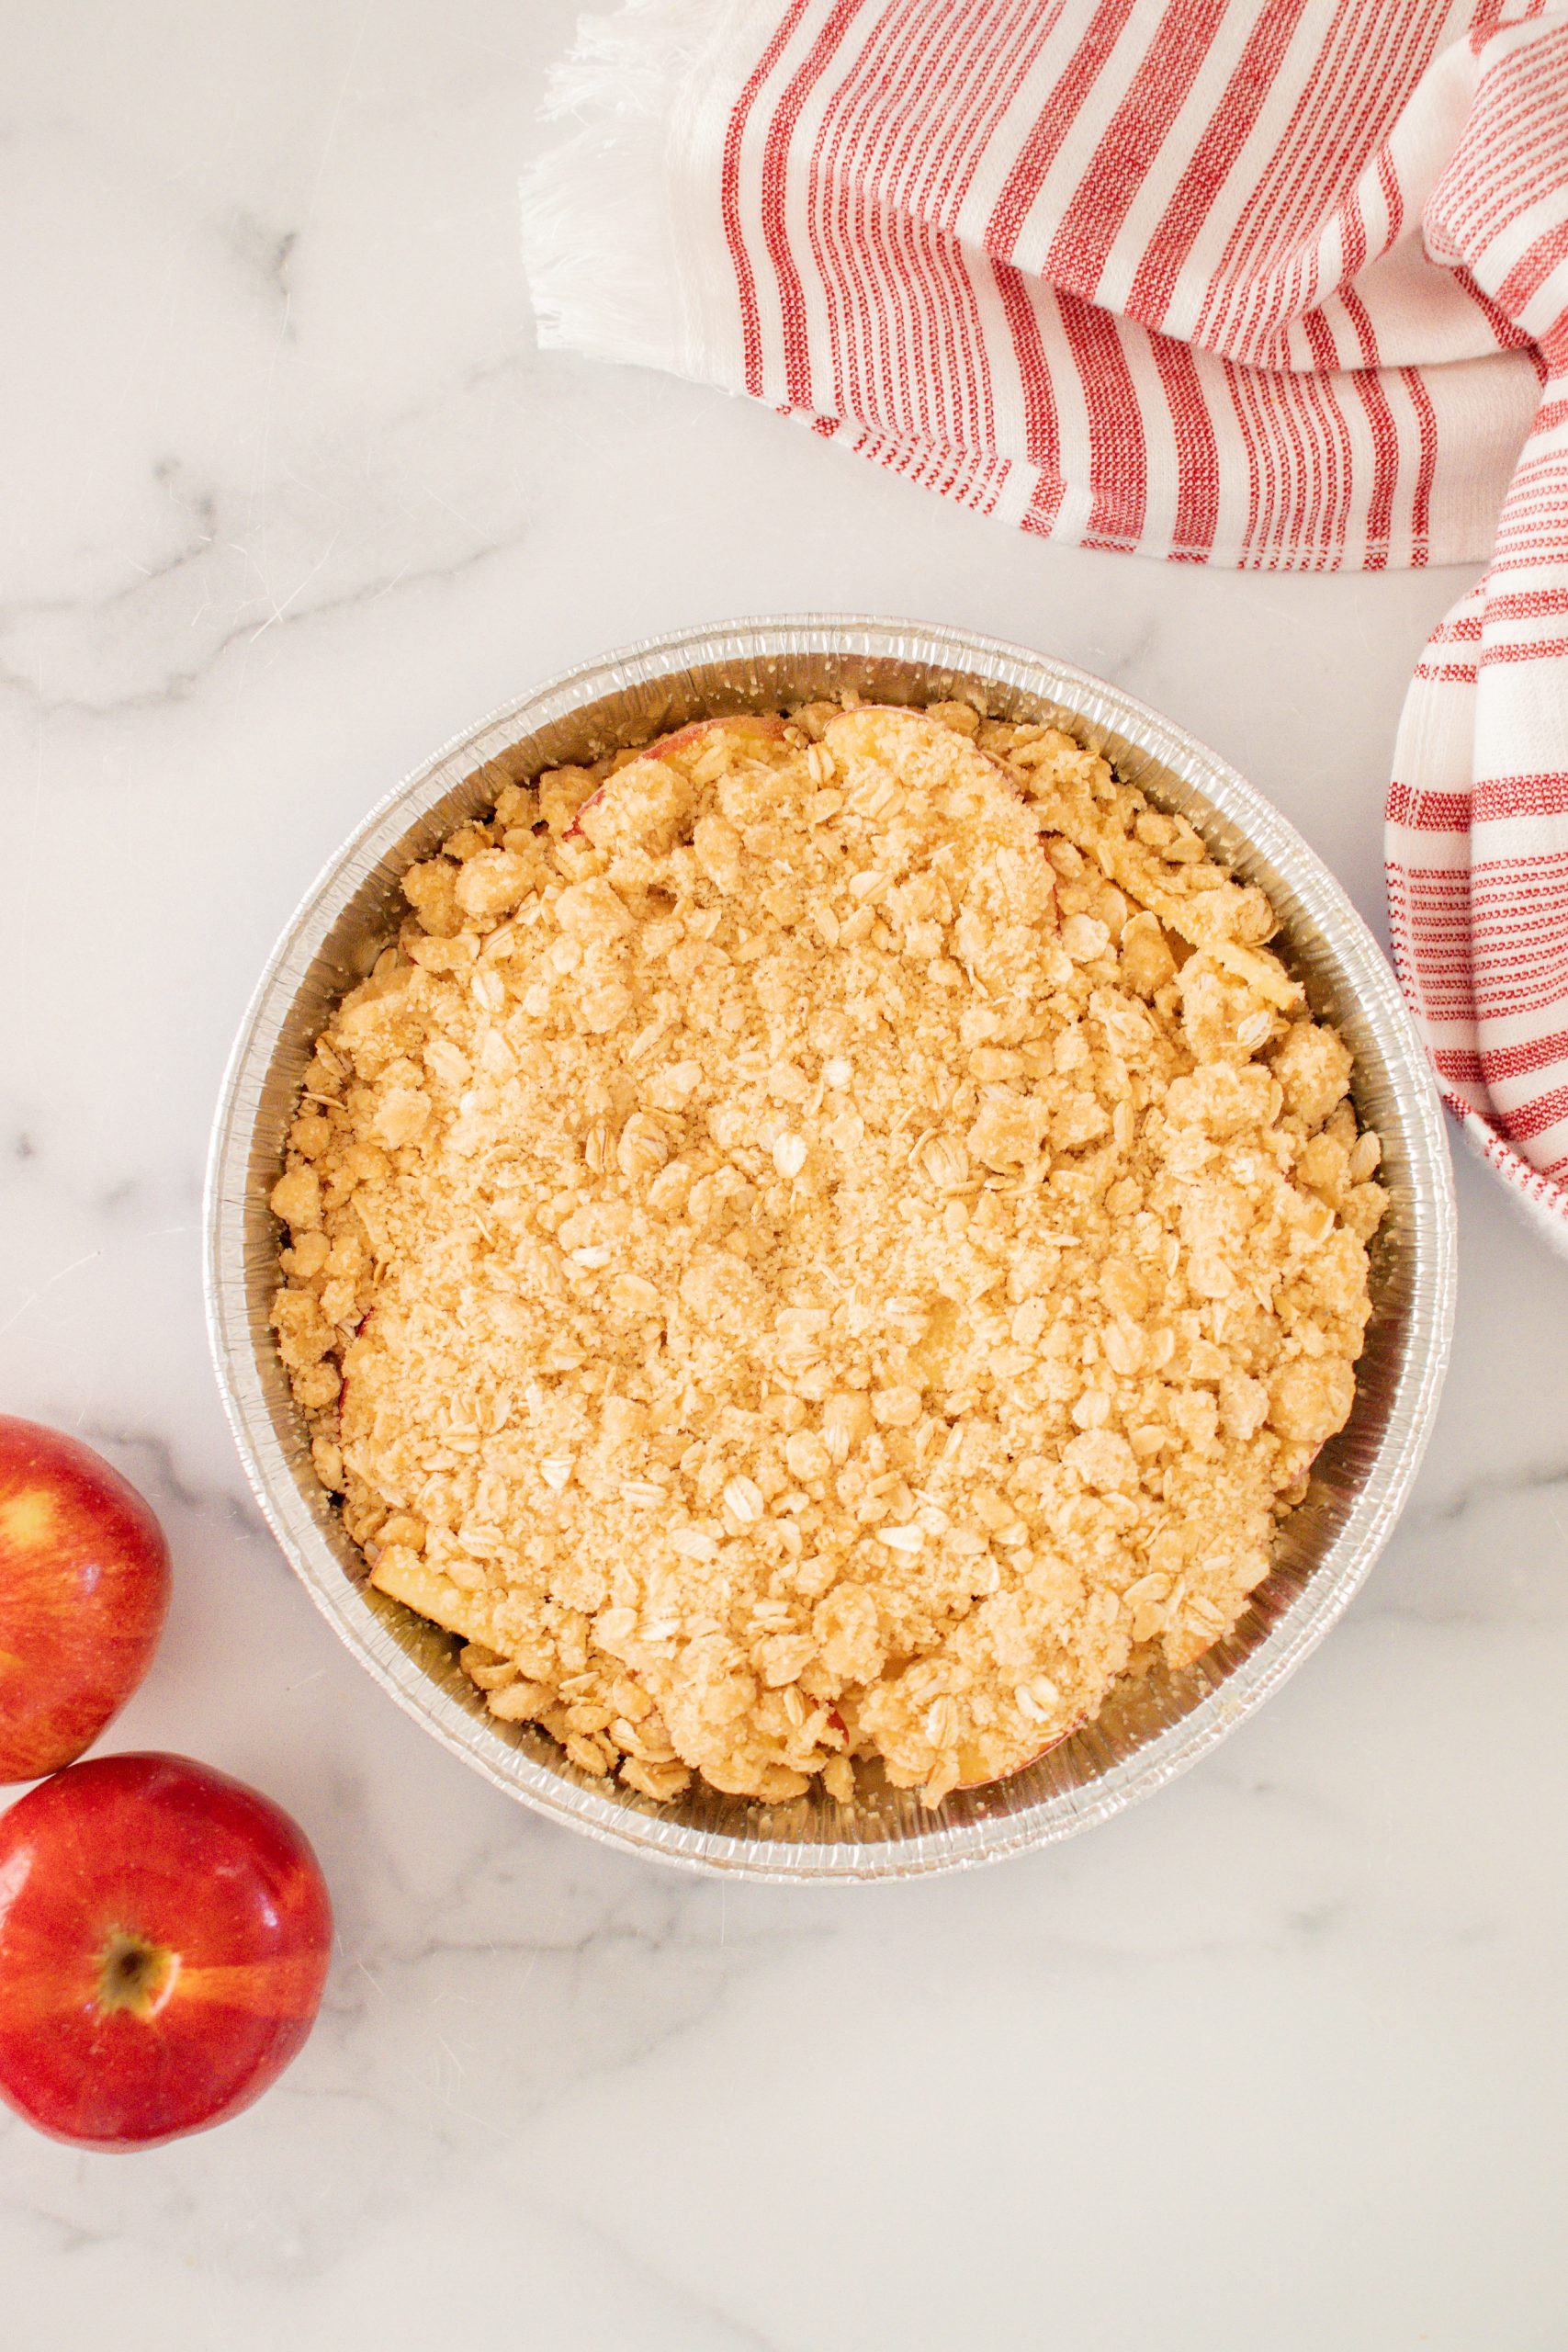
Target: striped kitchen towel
x,y
1280,284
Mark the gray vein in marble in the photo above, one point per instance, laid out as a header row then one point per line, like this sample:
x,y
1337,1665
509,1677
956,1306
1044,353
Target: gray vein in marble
x,y
266,251
148,576
237,523
1491,1485
1131,660
70,2236
434,2046
160,1477
128,1201
1489,1555
1264,1788
657,1912
182,686
706,2326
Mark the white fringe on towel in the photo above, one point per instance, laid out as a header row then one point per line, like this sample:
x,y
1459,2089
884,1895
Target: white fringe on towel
x,y
597,237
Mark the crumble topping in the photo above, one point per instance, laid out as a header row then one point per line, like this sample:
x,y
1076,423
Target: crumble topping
x,y
825,1238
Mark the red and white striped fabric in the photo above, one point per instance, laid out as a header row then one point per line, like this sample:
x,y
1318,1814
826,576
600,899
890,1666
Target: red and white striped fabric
x,y
1280,284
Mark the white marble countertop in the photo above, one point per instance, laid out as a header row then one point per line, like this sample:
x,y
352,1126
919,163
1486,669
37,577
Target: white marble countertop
x,y
1276,2061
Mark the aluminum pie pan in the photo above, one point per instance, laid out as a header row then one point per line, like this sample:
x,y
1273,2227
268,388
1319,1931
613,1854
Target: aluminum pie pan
x,y
1149,1730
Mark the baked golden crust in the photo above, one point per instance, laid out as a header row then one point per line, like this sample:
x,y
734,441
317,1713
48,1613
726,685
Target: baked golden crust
x,y
824,1237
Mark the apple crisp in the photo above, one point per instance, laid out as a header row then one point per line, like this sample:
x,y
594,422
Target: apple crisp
x,y
827,1237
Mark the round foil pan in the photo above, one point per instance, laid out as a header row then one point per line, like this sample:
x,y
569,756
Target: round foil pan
x,y
1151,1728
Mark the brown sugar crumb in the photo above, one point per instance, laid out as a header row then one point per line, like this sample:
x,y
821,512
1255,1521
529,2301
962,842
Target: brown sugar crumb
x,y
825,1238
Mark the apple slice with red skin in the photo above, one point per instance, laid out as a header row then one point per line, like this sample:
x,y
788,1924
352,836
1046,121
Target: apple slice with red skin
x,y
342,1383
995,1780
761,726
84,1592
164,1934
899,711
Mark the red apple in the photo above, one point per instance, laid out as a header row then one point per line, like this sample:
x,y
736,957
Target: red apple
x,y
165,1934
84,1590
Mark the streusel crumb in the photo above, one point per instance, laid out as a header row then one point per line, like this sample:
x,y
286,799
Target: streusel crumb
x,y
825,1238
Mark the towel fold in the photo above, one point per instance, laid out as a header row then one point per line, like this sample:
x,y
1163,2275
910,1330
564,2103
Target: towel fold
x,y
1279,284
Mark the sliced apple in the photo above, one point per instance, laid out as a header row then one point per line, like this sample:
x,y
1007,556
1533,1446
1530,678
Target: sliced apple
x,y
674,750
402,1575
972,1765
343,1388
574,832
888,736
907,749
744,725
